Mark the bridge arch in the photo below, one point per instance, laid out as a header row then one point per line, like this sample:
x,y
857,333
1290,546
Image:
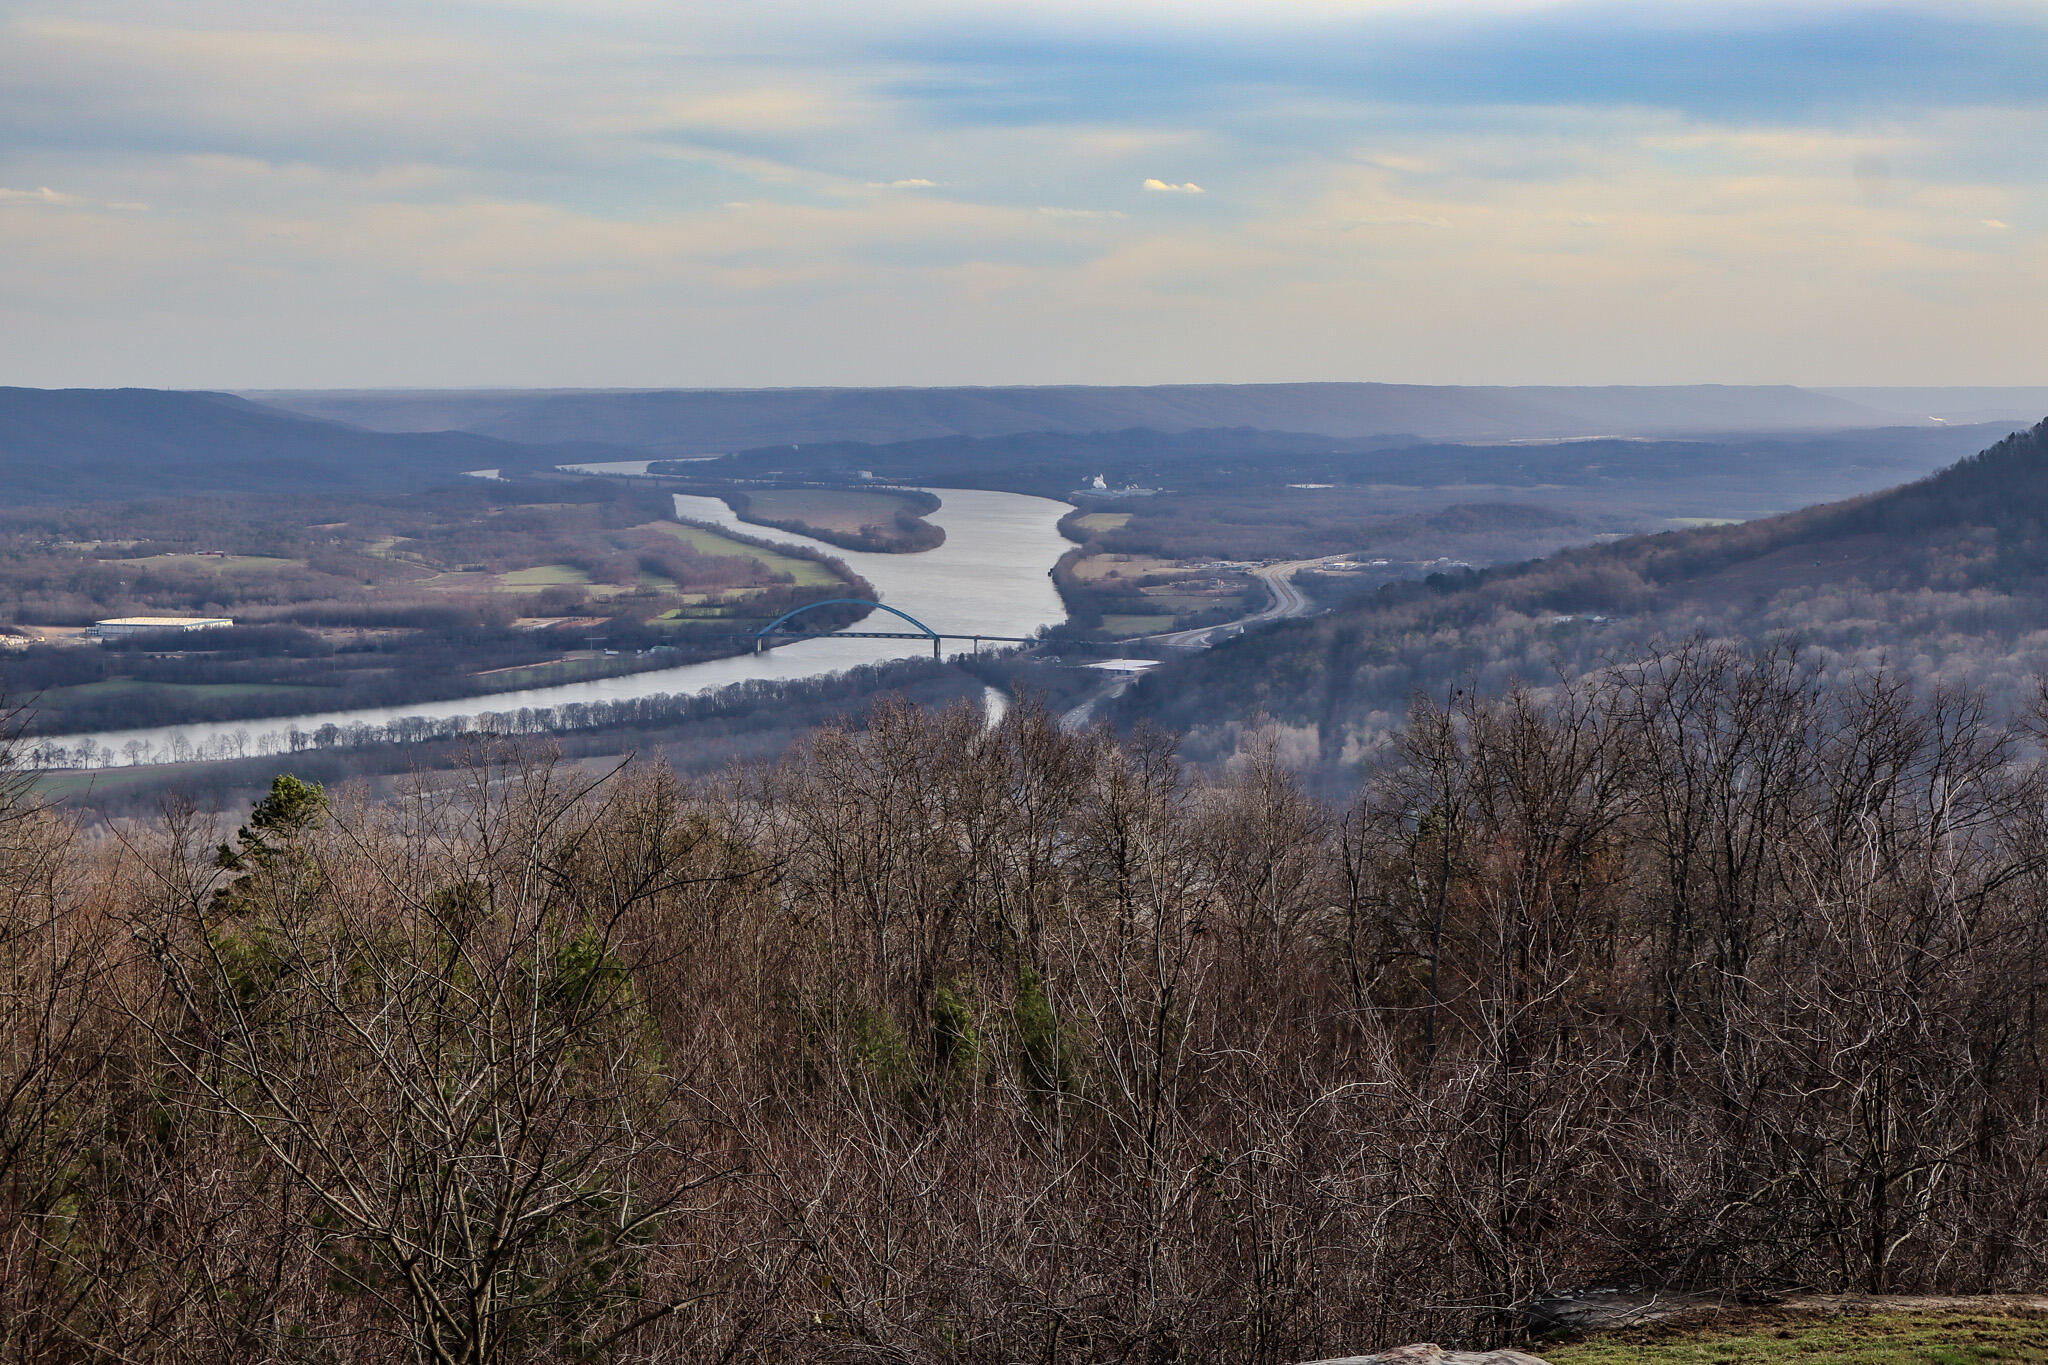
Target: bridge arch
x,y
846,601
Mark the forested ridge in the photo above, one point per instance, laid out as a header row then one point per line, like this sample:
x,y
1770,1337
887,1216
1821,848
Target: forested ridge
x,y
944,1042
91,445
1944,579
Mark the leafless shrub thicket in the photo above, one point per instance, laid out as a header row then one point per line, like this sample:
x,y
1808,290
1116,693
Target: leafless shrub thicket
x,y
937,1043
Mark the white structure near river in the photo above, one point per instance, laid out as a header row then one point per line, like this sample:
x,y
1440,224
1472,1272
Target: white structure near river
x,y
991,577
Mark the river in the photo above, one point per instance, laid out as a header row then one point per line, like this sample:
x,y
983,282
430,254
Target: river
x,y
992,576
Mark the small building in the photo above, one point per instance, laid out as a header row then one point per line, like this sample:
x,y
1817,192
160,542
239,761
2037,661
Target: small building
x,y
117,626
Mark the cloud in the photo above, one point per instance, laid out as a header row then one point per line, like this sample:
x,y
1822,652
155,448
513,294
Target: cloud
x,y
47,197
1421,220
686,189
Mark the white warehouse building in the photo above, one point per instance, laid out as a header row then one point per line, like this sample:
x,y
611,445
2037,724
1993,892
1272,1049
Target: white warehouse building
x,y
115,627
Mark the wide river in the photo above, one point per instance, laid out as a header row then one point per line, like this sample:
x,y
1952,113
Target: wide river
x,y
991,577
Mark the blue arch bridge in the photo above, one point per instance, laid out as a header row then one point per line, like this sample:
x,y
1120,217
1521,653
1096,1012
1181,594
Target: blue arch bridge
x,y
774,633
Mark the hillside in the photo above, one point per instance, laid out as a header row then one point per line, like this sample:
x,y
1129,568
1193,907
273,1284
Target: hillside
x,y
83,445
1747,474
1942,580
689,421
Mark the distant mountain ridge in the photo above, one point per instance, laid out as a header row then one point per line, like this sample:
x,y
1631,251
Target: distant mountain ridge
x,y
88,445
692,421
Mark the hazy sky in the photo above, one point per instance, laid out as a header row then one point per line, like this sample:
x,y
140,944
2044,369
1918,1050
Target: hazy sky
x,y
210,193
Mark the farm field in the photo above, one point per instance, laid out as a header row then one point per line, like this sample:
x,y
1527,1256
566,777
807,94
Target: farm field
x,y
806,573
832,509
1123,623
1100,567
374,602
1114,594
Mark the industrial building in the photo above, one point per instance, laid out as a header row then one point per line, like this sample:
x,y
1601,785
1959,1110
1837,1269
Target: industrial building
x,y
116,627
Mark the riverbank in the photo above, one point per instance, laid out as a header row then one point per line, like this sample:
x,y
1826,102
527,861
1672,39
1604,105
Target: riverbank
x,y
989,578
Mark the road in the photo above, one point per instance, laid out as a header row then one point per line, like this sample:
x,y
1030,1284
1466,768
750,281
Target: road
x,y
1288,600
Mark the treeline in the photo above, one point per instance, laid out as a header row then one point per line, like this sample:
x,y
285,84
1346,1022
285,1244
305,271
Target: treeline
x,y
946,1043
1942,579
660,711
200,688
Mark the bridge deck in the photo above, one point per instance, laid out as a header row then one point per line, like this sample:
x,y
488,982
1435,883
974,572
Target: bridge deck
x,y
883,635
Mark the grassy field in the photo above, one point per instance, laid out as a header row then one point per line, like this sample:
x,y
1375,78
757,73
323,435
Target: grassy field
x,y
1103,521
1097,567
1117,623
212,563
543,576
830,509
1924,1338
807,573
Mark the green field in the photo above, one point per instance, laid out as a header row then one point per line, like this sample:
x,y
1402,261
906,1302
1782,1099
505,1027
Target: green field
x,y
1097,567
807,573
1930,1338
1103,521
1119,624
212,563
543,576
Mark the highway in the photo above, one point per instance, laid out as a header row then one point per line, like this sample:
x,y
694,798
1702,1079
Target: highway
x,y
1288,600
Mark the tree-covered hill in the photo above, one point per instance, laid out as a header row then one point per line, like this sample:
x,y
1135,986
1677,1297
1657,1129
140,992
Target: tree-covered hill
x,y
90,445
1945,579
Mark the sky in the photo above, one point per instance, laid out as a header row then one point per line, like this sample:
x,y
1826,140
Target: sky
x,y
639,193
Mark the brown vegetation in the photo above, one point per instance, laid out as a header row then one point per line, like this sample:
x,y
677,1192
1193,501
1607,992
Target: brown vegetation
x,y
944,1043
890,520
1944,580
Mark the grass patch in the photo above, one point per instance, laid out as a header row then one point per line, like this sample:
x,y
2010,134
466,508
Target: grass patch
x,y
1119,624
543,576
807,573
210,563
1103,521
1095,568
1932,1338
830,509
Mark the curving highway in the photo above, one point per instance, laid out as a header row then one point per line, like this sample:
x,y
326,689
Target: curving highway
x,y
1288,600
